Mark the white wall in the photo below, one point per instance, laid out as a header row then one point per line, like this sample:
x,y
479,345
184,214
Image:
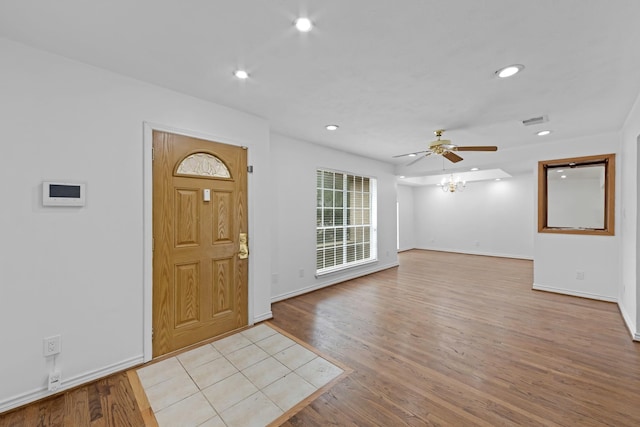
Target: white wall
x,y
558,257
488,218
406,218
629,295
79,272
293,204
576,202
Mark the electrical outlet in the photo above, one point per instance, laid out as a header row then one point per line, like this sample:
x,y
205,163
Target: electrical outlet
x,y
51,346
580,275
301,272
55,379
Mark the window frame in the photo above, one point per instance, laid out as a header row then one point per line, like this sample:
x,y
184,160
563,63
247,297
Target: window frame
x,y
609,162
347,245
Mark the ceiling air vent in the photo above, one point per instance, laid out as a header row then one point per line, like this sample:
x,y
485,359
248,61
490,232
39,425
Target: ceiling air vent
x,y
535,120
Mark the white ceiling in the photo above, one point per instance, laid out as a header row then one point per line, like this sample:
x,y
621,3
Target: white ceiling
x,y
388,72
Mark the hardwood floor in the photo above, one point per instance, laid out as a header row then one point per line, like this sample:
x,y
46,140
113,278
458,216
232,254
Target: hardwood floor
x,y
106,402
449,339
444,339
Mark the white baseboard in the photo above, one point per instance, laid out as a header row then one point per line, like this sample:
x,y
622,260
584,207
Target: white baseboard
x,y
332,281
631,326
262,317
574,293
478,252
39,393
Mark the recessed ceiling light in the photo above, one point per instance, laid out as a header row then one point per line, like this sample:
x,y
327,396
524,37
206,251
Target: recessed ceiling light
x,y
543,133
412,155
497,179
401,176
563,176
241,74
474,169
303,25
560,170
509,71
331,127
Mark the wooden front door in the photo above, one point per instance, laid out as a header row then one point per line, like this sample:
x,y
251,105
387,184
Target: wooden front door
x,y
199,212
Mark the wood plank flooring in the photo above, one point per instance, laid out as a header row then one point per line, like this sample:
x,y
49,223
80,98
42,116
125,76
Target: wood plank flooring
x,y
443,340
108,402
450,339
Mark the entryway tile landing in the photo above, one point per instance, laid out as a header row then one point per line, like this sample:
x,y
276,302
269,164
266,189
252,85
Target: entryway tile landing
x,y
258,377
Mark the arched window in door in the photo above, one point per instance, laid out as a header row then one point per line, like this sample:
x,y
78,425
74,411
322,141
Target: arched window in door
x,y
203,164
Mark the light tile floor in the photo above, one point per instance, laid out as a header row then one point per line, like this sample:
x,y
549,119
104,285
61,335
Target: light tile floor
x,y
244,380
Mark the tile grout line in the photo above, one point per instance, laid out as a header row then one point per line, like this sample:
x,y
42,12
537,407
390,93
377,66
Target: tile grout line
x,y
253,341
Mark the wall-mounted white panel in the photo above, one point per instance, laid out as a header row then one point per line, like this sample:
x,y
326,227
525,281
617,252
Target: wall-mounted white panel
x,y
63,193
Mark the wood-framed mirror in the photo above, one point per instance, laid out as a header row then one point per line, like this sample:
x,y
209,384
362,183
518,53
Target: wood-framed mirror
x,y
576,195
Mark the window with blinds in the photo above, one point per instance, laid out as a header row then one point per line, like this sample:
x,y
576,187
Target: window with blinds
x,y
346,220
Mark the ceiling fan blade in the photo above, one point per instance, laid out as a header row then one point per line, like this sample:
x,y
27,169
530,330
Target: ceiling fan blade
x,y
478,148
409,154
453,157
419,158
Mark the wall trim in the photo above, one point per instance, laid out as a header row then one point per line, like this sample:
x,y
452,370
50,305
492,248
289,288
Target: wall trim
x,y
324,284
262,317
481,253
631,327
42,392
573,293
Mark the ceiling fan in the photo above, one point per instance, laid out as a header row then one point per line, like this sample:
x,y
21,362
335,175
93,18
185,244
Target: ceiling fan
x,y
445,148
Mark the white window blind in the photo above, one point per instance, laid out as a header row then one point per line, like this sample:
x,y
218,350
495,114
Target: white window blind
x,y
346,220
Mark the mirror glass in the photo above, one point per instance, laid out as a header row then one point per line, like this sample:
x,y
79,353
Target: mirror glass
x,y
576,195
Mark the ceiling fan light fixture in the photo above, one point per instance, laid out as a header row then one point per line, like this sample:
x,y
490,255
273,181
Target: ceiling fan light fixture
x,y
509,71
446,149
303,25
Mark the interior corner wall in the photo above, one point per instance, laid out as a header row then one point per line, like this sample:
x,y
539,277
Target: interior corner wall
x,y
559,257
629,296
78,272
406,218
489,218
293,203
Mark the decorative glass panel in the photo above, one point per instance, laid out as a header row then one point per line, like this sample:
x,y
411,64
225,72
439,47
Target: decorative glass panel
x,y
203,164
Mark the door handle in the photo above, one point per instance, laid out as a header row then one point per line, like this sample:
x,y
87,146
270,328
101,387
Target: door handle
x,y
243,252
